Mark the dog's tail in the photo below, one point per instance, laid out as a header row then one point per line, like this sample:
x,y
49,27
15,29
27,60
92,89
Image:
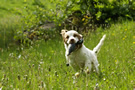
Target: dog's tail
x,y
97,48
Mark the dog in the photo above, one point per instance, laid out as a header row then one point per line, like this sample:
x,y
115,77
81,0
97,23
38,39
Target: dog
x,y
77,55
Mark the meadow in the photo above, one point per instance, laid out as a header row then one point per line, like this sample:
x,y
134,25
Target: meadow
x,y
43,64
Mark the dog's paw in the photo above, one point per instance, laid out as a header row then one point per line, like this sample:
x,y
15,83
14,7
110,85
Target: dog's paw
x,y
67,64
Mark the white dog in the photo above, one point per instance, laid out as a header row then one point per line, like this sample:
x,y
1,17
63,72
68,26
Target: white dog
x,y
77,55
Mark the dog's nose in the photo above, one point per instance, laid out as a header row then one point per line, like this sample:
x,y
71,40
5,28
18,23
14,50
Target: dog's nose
x,y
72,41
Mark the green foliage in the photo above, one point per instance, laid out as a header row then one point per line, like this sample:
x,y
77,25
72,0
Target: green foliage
x,y
42,18
39,15
105,11
77,13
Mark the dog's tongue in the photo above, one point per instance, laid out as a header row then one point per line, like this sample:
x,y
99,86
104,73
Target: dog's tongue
x,y
71,48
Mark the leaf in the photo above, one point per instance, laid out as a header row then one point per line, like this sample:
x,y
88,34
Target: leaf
x,y
98,15
83,6
69,4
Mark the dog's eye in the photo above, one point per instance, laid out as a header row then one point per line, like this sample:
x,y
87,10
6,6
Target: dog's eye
x,y
75,35
67,37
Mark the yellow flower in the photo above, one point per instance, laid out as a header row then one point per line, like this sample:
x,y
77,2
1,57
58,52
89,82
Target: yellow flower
x,y
123,38
133,37
133,42
116,61
86,16
125,29
40,9
59,24
113,34
83,19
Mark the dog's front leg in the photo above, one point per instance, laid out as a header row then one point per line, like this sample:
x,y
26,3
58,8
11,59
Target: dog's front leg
x,y
67,59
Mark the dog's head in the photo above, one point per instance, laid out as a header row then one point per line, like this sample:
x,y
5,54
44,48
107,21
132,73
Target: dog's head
x,y
70,37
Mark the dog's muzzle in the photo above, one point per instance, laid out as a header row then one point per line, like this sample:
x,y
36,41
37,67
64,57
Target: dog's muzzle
x,y
72,47
72,41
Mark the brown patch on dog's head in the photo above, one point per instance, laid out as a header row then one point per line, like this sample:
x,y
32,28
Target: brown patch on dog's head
x,y
79,36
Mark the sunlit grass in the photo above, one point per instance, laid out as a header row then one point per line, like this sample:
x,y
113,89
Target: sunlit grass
x,y
44,66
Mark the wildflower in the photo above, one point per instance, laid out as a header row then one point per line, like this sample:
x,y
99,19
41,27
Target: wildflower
x,y
116,61
123,38
25,0
59,24
83,19
125,29
77,74
40,9
133,42
113,34
86,16
87,71
133,37
0,88
19,56
104,79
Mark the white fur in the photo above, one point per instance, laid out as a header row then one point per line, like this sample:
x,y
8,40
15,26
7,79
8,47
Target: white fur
x,y
82,58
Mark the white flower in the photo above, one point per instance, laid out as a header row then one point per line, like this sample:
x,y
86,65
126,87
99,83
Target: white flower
x,y
77,74
19,56
0,88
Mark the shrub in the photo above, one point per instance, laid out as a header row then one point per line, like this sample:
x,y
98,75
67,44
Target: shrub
x,y
74,14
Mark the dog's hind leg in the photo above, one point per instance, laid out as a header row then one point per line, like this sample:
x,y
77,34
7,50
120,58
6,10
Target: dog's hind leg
x,y
95,63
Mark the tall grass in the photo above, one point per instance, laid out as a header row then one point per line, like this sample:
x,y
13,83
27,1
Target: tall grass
x,y
43,66
8,27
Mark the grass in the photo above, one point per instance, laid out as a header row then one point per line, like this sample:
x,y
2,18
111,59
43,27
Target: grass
x,y
8,27
43,65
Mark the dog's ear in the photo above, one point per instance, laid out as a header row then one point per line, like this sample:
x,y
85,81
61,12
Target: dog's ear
x,y
63,31
79,36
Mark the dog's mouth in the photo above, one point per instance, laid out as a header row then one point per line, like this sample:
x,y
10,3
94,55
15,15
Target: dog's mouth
x,y
73,46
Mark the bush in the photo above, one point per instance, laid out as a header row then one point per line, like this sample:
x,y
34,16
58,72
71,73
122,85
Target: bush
x,y
74,14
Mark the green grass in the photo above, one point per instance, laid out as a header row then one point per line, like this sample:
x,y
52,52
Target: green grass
x,y
8,27
43,66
